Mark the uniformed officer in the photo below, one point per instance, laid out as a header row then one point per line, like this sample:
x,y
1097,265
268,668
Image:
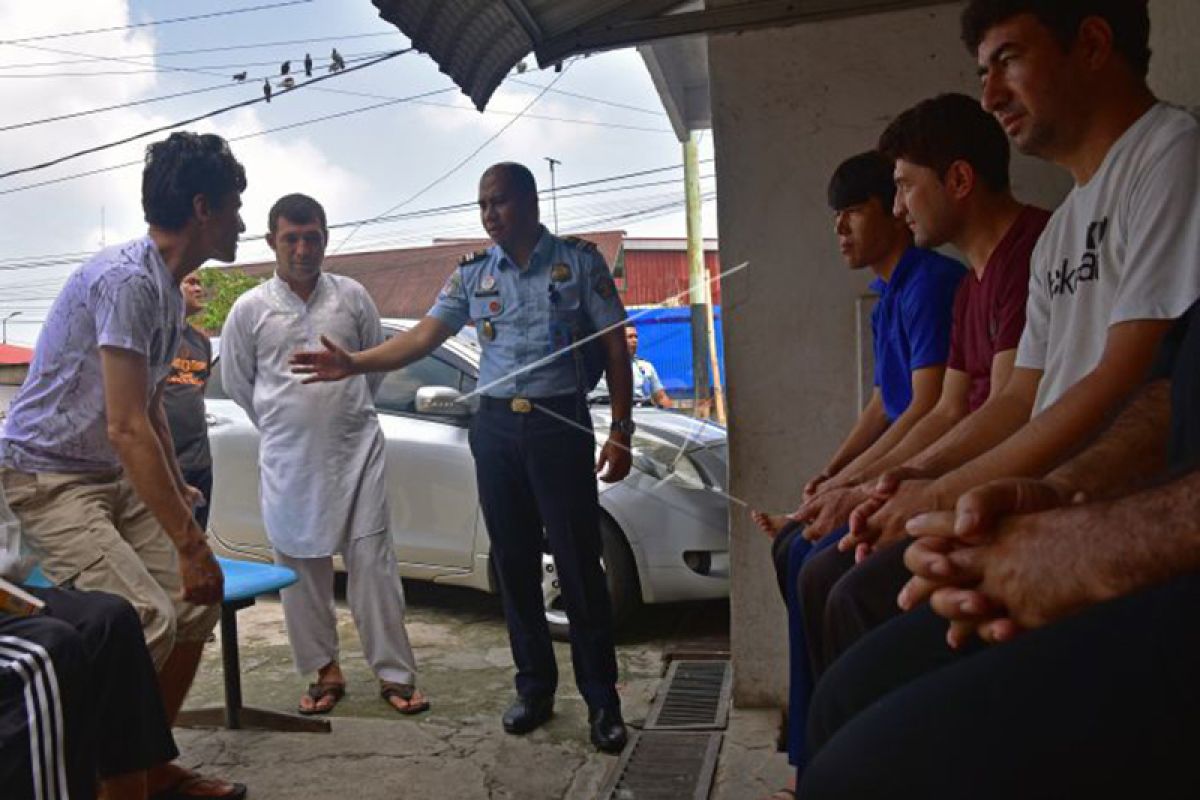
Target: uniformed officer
x,y
530,296
647,387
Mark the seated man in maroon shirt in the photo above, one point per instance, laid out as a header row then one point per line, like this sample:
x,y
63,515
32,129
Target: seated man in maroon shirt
x,y
952,186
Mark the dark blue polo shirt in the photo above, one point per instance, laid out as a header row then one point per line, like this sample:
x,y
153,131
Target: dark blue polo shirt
x,y
911,323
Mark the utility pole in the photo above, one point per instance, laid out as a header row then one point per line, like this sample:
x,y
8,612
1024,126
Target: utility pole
x,y
4,326
554,162
697,284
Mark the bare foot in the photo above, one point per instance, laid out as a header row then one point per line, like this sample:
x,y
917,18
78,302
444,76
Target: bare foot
x,y
770,524
786,793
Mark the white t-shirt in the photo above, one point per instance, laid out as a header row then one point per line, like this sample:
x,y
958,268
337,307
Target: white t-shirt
x,y
1124,246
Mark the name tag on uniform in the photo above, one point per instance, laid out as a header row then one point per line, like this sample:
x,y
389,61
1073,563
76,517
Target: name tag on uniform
x,y
487,292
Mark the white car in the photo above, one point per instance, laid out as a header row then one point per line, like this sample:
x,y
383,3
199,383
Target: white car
x,y
665,526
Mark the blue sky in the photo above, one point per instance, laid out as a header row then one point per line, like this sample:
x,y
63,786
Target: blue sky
x,y
359,165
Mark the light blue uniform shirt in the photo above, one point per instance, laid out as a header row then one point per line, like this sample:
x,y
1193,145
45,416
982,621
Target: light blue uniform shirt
x,y
524,315
646,382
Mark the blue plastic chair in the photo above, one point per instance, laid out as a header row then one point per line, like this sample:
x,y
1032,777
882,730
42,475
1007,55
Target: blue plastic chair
x,y
244,582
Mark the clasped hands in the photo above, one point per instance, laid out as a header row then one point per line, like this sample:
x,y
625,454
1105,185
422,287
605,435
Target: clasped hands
x,y
876,511
1005,557
1014,554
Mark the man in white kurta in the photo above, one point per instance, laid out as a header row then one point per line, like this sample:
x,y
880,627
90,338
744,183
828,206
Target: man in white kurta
x,y
321,458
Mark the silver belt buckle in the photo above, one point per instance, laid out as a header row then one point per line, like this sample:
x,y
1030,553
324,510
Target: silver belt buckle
x,y
520,405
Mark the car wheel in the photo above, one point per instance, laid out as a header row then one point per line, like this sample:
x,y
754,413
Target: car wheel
x,y
620,572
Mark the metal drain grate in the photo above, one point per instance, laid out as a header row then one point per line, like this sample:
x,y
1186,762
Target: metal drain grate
x,y
665,765
695,697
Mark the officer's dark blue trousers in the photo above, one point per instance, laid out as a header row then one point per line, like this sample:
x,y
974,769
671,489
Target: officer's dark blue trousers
x,y
537,469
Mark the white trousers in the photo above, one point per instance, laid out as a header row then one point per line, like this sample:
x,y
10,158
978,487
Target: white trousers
x,y
376,600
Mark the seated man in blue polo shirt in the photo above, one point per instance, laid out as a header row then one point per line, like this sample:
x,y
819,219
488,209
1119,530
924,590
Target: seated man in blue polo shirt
x,y
911,335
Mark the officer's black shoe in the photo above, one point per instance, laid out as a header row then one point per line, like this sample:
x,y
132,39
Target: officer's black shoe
x,y
608,730
527,713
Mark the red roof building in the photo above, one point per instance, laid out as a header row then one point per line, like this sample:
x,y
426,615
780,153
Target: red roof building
x,y
405,283
14,354
655,272
14,367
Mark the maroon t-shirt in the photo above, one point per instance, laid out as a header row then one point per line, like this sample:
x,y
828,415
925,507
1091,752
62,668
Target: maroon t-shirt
x,y
989,314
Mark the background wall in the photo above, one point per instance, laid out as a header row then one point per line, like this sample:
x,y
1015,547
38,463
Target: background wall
x,y
788,106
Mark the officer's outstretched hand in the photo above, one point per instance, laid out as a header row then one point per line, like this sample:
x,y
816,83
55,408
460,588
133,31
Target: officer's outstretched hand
x,y
331,364
615,459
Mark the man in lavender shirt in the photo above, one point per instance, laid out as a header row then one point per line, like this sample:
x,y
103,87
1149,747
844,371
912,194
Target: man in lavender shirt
x,y
86,459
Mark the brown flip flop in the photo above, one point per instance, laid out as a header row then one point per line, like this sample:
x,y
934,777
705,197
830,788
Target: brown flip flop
x,y
406,692
318,692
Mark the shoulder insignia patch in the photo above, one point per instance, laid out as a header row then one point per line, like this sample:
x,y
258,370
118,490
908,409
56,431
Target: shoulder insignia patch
x,y
580,244
471,258
453,286
604,285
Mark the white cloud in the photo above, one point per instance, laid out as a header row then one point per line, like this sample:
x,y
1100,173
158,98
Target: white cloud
x,y
66,217
356,166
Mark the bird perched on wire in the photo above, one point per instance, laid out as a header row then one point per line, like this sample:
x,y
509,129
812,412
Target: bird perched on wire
x,y
288,82
239,76
285,68
337,63
267,89
307,65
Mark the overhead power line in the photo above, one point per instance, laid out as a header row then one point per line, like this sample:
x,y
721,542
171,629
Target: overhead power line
x,y
350,112
225,84
565,93
291,126
223,49
253,80
210,15
216,112
59,259
216,70
91,111
465,160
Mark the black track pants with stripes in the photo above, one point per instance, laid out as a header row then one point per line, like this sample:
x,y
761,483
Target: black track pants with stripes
x,y
78,698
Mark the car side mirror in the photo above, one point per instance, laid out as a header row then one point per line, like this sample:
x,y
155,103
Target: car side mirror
x,y
442,401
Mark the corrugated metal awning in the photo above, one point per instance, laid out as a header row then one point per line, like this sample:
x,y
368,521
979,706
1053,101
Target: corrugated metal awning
x,y
478,42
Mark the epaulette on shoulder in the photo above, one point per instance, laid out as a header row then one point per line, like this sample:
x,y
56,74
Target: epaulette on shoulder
x,y
580,244
471,258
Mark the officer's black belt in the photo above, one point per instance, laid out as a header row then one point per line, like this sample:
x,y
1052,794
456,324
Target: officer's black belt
x,y
563,404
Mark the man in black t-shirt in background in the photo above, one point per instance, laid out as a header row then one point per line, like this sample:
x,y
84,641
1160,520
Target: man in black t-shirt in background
x,y
184,399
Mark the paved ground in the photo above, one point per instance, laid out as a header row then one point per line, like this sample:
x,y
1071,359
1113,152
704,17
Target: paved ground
x,y
457,750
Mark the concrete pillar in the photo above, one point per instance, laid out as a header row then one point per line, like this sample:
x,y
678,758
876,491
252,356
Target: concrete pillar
x,y
788,106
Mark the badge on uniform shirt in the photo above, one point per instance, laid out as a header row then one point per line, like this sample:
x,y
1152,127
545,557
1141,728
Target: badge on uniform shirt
x,y
494,307
488,330
487,283
560,272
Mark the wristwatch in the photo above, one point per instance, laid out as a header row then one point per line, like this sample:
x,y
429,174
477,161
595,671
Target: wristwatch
x,y
625,426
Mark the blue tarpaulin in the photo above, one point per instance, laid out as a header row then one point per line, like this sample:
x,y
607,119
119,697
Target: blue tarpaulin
x,y
665,339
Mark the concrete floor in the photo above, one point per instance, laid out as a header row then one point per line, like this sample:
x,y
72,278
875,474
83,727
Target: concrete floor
x,y
456,750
